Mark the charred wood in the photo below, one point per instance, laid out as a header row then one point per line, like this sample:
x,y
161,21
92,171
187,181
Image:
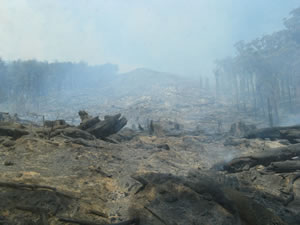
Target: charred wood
x,y
263,158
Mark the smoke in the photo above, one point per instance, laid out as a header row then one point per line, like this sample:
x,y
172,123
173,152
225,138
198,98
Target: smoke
x,y
181,37
290,120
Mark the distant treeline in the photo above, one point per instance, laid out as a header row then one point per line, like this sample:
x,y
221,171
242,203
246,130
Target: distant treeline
x,y
263,78
26,81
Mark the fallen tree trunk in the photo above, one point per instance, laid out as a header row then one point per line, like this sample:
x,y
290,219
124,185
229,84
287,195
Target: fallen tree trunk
x,y
263,158
290,133
285,166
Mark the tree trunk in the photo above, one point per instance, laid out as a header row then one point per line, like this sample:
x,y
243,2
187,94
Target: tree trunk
x,y
270,113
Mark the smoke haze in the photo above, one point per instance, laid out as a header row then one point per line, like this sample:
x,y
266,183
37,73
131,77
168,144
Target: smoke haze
x,y
181,37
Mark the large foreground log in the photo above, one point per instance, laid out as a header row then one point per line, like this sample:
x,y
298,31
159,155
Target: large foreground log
x,y
263,158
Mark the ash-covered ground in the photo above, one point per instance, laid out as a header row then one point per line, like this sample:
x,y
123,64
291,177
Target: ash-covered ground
x,y
183,158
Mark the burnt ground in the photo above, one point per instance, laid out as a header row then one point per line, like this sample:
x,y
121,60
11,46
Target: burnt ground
x,y
191,168
160,178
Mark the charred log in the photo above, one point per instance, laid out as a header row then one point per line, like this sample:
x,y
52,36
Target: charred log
x,y
290,133
102,129
263,158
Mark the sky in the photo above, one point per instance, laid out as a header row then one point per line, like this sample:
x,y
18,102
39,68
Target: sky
x,y
175,36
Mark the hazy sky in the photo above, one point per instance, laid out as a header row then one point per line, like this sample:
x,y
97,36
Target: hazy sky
x,y
177,36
